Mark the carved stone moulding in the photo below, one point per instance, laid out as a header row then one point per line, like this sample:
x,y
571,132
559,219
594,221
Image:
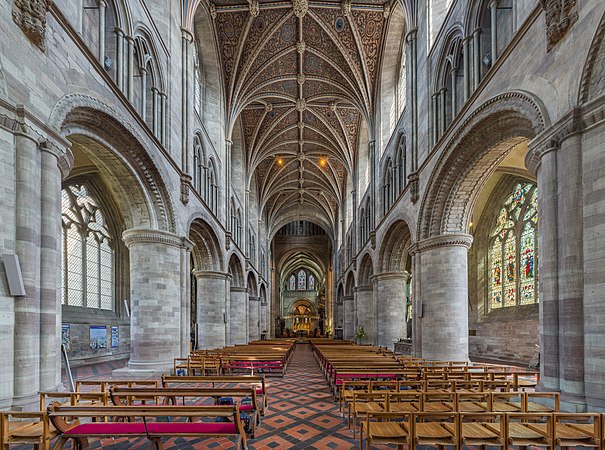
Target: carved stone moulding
x,y
560,17
30,15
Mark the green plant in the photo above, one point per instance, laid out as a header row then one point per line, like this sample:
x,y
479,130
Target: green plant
x,y
361,334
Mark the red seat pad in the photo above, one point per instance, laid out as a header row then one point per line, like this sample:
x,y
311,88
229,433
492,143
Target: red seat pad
x,y
259,391
192,427
246,407
108,429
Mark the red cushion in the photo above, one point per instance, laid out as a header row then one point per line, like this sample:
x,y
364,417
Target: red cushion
x,y
172,428
259,391
246,407
108,429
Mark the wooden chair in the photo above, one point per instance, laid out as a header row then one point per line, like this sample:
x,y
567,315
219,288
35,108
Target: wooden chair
x,y
482,430
550,397
496,385
510,402
348,388
439,401
436,429
466,386
387,428
578,430
530,429
473,402
364,403
409,401
33,428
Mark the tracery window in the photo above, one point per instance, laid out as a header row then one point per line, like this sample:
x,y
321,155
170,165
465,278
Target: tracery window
x,y
311,282
292,282
302,280
512,250
197,82
87,257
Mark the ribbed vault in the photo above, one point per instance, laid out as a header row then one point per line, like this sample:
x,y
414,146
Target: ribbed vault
x,y
300,78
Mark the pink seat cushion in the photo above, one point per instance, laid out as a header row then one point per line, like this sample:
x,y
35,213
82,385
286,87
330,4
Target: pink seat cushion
x,y
108,429
259,391
246,407
138,428
191,427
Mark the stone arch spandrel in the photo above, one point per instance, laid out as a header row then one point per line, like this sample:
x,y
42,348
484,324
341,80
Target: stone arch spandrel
x,y
593,75
471,156
83,112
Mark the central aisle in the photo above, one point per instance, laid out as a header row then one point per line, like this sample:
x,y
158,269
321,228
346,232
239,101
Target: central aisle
x,y
302,413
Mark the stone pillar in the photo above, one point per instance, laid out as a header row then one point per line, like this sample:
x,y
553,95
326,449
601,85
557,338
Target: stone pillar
x,y
156,110
390,308
120,59
27,309
416,304
442,309
238,310
466,66
263,315
143,93
186,297
412,41
186,39
130,67
476,58
253,318
454,92
102,9
365,311
50,283
348,328
493,7
548,261
155,302
211,308
571,273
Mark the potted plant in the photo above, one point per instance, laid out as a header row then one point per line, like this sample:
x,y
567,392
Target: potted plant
x,y
361,334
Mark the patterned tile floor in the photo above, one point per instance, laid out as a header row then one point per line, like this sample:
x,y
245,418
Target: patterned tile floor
x,y
301,415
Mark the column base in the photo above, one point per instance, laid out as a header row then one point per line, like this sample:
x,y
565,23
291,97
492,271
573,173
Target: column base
x,y
144,369
26,403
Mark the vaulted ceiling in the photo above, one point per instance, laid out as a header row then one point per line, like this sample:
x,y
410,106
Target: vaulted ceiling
x,y
299,78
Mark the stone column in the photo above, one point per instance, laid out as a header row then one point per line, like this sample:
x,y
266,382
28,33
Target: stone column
x,y
571,273
365,311
211,308
120,59
143,93
238,310
155,302
390,308
263,315
102,9
348,328
466,67
253,318
50,282
443,311
130,67
186,39
493,7
454,92
27,309
412,41
476,58
186,297
548,262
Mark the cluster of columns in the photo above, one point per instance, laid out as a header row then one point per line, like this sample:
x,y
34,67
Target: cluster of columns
x,y
32,324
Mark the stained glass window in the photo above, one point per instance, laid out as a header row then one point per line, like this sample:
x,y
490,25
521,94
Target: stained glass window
x,y
512,252
302,280
292,282
87,259
311,282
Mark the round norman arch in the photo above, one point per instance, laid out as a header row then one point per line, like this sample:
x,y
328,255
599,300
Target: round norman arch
x,y
471,156
236,271
396,243
206,252
350,284
366,270
121,150
252,284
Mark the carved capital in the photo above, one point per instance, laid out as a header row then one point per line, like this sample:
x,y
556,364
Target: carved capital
x,y
345,7
254,7
200,274
212,10
445,240
385,276
30,15
149,236
413,181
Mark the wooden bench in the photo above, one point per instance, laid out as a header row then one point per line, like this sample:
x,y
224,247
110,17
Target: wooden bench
x,y
147,427
31,428
258,381
169,396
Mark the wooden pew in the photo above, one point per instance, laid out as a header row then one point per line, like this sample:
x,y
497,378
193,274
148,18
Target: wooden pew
x,y
387,428
154,431
31,428
258,381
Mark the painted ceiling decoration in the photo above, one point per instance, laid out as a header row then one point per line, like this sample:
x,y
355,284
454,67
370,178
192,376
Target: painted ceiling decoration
x,y
301,76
